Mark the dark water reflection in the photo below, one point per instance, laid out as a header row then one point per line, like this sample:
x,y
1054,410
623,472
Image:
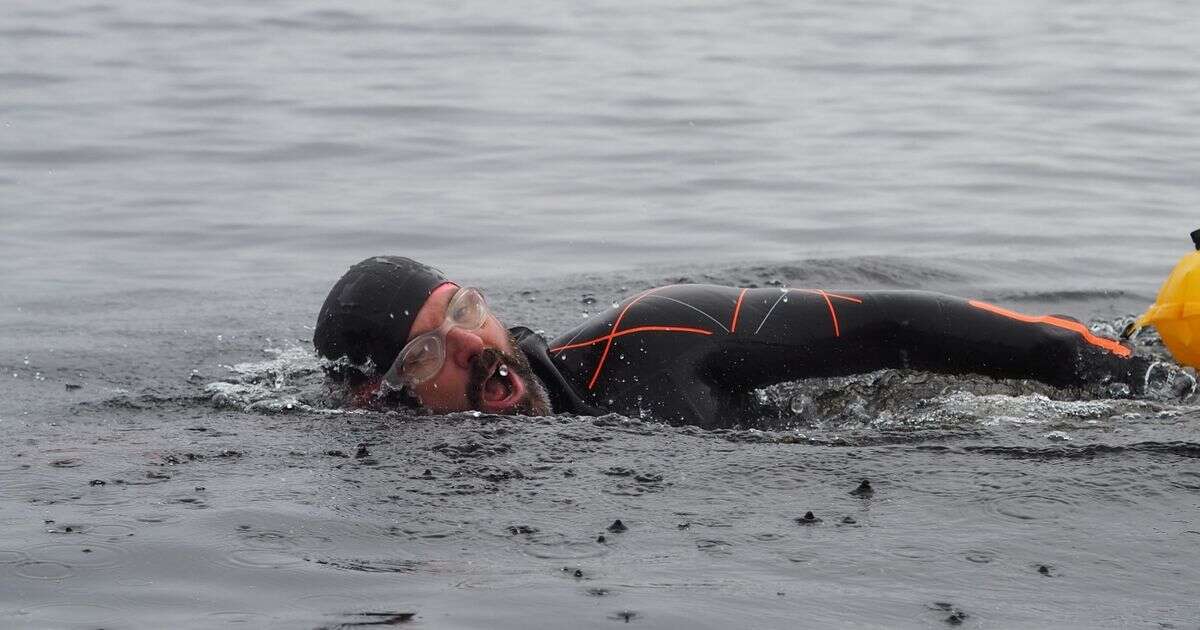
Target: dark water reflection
x,y
504,533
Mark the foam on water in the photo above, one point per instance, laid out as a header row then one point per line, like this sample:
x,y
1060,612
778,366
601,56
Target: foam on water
x,y
286,382
887,400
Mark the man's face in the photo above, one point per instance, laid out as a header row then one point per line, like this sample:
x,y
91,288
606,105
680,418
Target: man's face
x,y
483,369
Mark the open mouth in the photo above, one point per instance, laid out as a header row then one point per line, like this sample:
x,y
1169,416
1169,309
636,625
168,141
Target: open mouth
x,y
502,389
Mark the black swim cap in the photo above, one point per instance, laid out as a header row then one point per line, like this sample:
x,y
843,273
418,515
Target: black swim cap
x,y
370,311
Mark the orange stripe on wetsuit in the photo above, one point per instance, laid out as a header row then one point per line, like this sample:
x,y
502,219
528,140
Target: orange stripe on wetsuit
x,y
617,332
1066,324
837,331
630,331
737,308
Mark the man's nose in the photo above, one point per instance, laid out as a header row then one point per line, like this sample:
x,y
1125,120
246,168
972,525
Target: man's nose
x,y
462,346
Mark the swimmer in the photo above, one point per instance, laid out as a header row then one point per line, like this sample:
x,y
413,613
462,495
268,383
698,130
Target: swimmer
x,y
395,330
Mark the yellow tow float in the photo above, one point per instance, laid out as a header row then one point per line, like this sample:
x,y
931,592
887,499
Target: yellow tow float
x,y
1176,312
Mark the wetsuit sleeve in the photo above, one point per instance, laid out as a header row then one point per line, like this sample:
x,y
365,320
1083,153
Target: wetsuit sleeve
x,y
917,330
693,353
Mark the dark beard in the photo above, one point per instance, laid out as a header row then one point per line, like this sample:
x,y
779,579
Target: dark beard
x,y
535,401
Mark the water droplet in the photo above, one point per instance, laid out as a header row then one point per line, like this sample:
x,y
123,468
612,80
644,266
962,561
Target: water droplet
x,y
1118,390
503,371
802,405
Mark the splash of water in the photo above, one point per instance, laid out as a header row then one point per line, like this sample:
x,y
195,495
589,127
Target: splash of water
x,y
291,380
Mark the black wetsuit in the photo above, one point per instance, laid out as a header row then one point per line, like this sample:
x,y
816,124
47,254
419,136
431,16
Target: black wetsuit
x,y
693,354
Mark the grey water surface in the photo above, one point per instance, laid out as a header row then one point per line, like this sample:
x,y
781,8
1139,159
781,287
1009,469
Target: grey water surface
x,y
180,184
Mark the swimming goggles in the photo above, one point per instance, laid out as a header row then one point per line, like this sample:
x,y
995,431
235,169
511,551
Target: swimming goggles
x,y
422,357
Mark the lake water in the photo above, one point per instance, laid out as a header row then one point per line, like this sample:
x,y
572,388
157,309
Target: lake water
x,y
181,183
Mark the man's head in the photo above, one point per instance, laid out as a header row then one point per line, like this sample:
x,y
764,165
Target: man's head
x,y
387,307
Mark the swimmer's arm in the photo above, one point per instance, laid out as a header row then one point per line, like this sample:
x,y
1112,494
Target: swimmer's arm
x,y
931,332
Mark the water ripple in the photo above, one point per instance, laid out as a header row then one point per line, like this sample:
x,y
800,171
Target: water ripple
x,y
1088,451
35,33
12,557
1025,505
89,555
251,558
68,156
29,79
38,570
69,612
